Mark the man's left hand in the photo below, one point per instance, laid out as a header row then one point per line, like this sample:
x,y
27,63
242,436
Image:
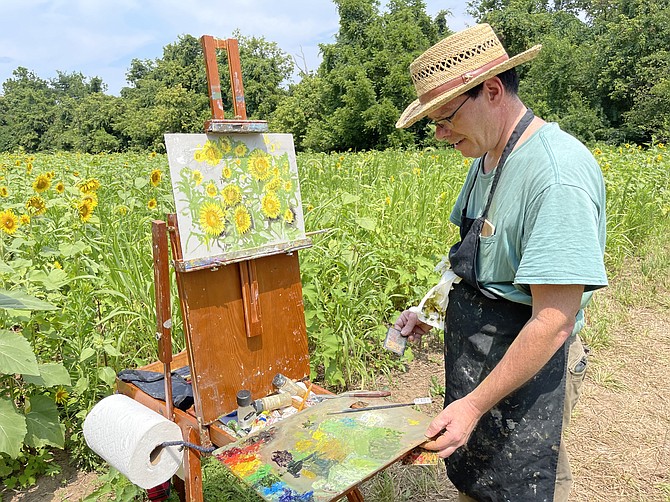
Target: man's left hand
x,y
451,429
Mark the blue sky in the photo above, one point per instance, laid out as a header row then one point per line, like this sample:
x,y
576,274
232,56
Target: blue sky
x,y
101,37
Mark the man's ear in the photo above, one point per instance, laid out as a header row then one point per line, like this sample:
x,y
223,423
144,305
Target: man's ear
x,y
493,89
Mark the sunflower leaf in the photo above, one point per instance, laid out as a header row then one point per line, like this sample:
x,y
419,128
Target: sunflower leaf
x,y
12,429
16,355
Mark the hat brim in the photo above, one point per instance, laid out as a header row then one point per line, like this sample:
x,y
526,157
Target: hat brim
x,y
416,111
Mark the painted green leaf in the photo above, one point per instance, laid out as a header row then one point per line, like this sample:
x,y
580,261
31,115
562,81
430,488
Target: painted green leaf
x,y
42,423
16,355
22,301
50,374
12,429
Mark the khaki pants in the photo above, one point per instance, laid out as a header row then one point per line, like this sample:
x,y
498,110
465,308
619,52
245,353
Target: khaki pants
x,y
574,379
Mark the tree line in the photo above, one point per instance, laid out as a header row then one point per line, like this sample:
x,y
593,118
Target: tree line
x,y
603,74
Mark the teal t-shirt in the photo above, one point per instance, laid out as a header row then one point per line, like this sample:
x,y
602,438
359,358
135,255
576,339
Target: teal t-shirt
x,y
548,212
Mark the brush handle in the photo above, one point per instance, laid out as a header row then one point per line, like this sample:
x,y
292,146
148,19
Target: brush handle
x,y
368,393
370,408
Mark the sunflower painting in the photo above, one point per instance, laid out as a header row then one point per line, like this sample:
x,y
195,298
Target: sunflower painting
x,y
237,196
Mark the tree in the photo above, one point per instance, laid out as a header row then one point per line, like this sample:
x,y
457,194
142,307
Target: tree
x,y
28,109
363,80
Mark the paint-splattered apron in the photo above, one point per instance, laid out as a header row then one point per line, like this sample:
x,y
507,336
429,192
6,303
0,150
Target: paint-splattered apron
x,y
513,452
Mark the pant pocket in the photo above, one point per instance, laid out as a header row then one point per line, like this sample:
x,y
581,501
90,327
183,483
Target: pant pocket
x,y
577,365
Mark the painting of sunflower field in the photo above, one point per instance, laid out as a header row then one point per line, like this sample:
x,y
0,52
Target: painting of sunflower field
x,y
236,196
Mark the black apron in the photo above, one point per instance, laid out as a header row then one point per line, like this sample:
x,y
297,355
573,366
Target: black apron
x,y
512,453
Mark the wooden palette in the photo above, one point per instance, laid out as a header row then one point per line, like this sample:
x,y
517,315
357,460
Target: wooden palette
x,y
316,456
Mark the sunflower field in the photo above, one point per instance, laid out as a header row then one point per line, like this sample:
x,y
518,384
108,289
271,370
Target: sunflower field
x,y
76,279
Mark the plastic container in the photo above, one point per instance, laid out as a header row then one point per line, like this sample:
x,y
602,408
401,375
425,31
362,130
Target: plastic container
x,y
285,384
246,413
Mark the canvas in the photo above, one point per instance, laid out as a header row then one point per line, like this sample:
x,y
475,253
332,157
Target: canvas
x,y
317,456
236,196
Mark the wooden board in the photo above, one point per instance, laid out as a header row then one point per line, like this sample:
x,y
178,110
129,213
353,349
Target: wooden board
x,y
314,455
223,358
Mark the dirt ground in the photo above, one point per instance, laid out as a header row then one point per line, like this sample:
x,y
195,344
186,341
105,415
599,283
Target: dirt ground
x,y
619,439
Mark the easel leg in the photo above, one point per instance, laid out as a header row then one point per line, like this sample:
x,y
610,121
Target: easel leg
x,y
192,468
355,495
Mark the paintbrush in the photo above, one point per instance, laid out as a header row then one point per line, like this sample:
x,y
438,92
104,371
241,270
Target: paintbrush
x,y
356,393
418,400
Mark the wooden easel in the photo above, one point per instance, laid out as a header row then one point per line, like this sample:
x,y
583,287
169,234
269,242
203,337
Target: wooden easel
x,y
243,321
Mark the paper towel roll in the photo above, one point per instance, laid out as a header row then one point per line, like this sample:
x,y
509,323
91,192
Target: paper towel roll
x,y
125,433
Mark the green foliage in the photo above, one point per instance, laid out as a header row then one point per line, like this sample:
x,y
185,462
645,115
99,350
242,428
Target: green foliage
x,y
23,471
115,484
363,82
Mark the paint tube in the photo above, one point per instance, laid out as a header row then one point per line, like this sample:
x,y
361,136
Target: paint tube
x,y
273,402
285,384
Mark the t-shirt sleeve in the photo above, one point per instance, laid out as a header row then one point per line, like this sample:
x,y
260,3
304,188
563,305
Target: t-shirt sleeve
x,y
561,240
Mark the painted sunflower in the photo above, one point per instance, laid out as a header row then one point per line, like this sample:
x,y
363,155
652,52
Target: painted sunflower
x,y
212,219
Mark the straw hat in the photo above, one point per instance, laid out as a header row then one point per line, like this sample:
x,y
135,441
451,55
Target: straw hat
x,y
454,65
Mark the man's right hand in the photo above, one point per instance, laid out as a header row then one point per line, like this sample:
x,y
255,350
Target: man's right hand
x,y
409,325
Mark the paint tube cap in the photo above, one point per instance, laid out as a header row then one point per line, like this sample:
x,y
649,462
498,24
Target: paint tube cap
x,y
244,398
279,380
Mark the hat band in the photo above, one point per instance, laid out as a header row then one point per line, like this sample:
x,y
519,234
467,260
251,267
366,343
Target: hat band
x,y
460,80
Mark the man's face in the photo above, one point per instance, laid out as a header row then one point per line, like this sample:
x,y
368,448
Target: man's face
x,y
461,124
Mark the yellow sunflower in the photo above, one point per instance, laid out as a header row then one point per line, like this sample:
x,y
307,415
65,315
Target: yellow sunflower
x,y
232,195
9,222
211,153
4,192
270,205
212,219
24,219
211,189
156,176
273,185
36,205
225,146
152,204
242,219
240,150
61,396
288,216
60,187
288,185
91,199
259,165
41,183
196,176
85,210
226,172
90,185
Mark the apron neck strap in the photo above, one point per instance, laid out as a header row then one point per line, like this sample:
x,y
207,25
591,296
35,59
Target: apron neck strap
x,y
520,128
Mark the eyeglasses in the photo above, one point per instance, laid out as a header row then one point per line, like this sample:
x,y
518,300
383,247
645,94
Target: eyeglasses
x,y
440,122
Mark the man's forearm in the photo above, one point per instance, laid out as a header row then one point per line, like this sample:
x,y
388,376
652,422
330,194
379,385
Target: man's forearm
x,y
552,322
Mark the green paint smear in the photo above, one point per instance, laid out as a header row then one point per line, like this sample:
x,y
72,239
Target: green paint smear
x,y
260,475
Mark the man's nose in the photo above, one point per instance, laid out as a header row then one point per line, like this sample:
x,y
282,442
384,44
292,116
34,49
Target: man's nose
x,y
442,131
